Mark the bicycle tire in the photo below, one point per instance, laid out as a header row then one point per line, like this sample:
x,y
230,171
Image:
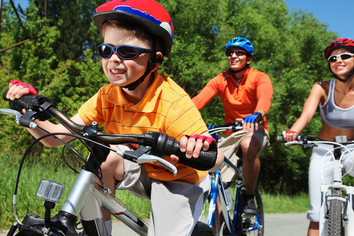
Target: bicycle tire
x,y
241,222
216,221
239,227
335,221
200,228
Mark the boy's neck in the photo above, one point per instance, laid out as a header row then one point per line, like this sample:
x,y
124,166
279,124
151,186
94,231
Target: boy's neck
x,y
135,96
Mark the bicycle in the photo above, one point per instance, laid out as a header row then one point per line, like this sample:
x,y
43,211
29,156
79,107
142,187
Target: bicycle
x,y
87,197
336,212
235,221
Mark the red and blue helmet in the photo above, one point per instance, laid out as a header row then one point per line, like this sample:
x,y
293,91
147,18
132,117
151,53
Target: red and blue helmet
x,y
241,43
147,13
339,43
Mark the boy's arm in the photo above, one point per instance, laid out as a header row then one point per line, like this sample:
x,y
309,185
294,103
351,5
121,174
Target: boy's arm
x,y
54,128
18,89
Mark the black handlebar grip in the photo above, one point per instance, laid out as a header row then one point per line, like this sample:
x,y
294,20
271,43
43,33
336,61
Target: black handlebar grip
x,y
19,104
282,140
168,146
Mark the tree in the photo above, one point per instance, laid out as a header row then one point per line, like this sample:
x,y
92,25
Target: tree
x,y
60,60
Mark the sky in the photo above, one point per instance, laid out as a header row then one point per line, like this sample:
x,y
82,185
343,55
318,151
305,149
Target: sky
x,y
337,14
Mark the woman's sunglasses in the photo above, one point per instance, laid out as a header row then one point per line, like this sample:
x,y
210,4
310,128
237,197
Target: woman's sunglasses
x,y
343,56
123,51
237,52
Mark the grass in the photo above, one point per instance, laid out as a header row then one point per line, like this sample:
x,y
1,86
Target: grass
x,y
33,173
285,204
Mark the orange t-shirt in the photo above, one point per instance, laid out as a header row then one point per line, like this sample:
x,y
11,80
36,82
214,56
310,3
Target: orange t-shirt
x,y
254,92
165,108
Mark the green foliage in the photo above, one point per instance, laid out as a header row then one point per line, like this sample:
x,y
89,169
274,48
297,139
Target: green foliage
x,y
59,60
32,174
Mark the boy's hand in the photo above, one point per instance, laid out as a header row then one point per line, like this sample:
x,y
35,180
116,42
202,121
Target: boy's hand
x,y
193,145
18,89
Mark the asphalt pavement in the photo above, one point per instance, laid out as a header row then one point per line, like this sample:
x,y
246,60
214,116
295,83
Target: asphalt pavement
x,y
289,224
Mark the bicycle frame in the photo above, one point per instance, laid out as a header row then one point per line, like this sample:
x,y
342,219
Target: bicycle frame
x,y
85,201
336,211
85,193
217,188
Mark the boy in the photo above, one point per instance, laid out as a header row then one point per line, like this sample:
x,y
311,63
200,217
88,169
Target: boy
x,y
137,34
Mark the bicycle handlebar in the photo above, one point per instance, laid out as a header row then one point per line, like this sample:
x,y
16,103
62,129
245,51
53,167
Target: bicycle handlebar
x,y
40,107
233,126
310,141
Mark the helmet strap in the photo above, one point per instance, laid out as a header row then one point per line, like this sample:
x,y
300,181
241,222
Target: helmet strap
x,y
345,79
150,66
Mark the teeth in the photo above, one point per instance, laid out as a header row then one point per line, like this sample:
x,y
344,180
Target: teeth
x,y
117,71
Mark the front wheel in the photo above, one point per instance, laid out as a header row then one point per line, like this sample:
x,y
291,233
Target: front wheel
x,y
246,225
335,221
249,225
202,229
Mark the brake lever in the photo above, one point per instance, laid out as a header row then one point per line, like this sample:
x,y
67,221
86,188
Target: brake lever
x,y
140,156
152,158
293,143
20,119
305,143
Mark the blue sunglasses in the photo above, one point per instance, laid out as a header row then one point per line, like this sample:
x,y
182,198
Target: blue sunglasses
x,y
123,51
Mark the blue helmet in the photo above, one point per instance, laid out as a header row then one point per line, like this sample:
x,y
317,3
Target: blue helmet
x,y
242,43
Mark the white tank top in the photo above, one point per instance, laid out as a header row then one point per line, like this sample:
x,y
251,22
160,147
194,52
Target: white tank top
x,y
332,115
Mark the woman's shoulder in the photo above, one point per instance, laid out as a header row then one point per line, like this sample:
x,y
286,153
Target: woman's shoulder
x,y
324,85
321,89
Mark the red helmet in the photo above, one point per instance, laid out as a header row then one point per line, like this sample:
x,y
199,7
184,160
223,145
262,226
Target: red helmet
x,y
147,13
339,43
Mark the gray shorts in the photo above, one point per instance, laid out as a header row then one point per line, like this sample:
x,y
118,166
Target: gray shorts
x,y
175,205
229,145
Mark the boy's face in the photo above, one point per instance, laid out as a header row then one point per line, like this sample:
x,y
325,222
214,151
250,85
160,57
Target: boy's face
x,y
123,72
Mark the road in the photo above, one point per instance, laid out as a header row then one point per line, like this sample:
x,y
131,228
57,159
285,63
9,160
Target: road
x,y
291,224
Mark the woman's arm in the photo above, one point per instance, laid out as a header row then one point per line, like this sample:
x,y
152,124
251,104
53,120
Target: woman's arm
x,y
308,111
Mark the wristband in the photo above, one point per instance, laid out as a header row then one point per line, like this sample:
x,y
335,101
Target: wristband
x,y
32,90
254,118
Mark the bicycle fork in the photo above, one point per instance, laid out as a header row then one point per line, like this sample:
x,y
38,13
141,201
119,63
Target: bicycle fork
x,y
327,193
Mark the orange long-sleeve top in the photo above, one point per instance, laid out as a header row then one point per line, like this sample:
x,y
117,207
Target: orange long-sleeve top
x,y
253,93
